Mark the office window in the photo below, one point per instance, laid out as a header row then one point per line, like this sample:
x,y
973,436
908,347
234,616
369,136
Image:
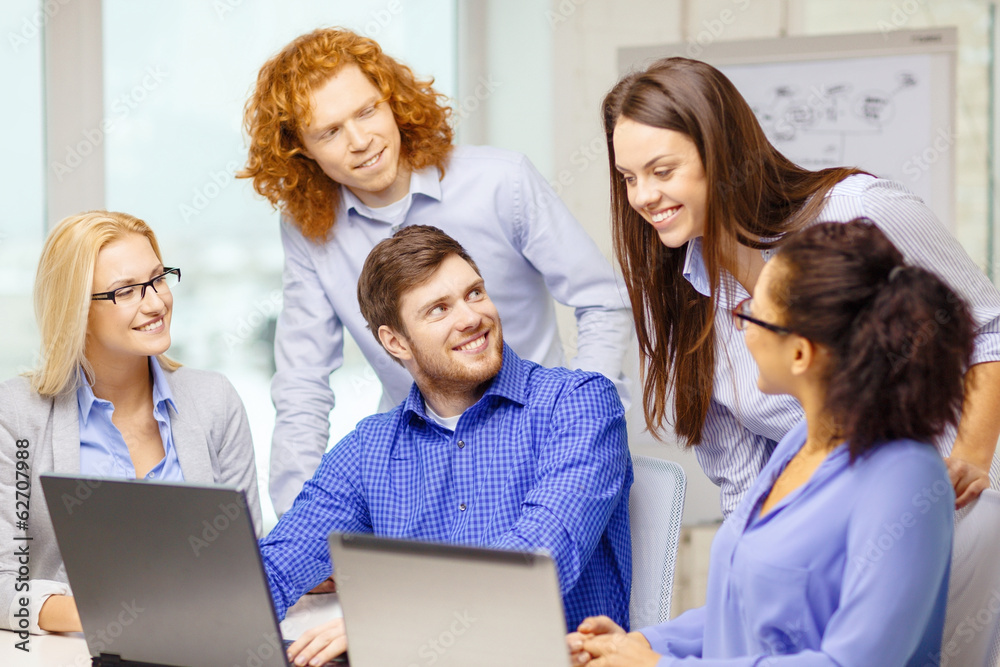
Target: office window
x,y
22,178
176,77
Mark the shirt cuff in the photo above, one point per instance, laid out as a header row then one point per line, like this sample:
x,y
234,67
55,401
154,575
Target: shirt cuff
x,y
987,344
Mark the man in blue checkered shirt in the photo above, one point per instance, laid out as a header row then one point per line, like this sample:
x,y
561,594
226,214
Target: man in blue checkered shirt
x,y
488,449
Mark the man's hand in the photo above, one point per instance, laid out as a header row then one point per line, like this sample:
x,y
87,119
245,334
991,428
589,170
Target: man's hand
x,y
320,644
968,479
325,586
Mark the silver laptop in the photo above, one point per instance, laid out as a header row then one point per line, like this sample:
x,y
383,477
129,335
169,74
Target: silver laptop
x,y
164,574
410,604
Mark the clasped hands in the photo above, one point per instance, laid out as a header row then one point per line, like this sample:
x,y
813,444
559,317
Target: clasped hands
x,y
600,642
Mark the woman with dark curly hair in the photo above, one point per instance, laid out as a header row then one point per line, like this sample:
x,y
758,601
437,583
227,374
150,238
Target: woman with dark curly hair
x,y
350,146
700,199
839,552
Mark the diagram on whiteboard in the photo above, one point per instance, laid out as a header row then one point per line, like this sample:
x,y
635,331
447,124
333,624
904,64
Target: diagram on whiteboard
x,y
872,113
830,114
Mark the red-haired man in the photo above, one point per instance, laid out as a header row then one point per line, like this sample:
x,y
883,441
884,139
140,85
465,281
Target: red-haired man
x,y
351,146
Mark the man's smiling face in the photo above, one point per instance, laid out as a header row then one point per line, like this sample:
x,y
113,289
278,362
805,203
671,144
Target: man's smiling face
x,y
453,342
353,137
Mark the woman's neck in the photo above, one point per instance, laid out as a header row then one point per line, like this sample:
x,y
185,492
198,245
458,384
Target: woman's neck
x,y
126,383
747,267
822,432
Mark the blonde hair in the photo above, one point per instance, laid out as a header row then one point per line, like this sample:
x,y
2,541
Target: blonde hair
x,y
63,287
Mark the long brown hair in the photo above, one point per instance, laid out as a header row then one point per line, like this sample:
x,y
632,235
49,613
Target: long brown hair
x,y
279,107
754,193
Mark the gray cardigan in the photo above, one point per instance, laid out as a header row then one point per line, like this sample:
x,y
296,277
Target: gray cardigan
x,y
211,436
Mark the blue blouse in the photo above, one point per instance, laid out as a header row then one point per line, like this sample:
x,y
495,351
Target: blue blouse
x,y
103,452
849,569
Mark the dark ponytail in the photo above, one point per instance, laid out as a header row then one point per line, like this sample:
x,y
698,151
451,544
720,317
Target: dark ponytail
x,y
900,339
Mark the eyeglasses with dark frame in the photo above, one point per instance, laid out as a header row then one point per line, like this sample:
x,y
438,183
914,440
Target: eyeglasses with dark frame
x,y
741,315
130,294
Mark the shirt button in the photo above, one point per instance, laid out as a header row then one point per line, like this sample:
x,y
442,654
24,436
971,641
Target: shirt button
x,y
152,475
461,444
462,507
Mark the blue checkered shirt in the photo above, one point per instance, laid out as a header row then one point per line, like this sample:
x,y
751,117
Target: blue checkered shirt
x,y
541,461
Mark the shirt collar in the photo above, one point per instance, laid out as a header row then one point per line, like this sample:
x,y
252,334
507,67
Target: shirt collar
x,y
694,268
426,182
161,388
510,383
85,398
694,265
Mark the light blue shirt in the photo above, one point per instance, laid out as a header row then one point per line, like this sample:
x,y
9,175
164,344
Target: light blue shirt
x,y
743,424
103,452
849,569
528,247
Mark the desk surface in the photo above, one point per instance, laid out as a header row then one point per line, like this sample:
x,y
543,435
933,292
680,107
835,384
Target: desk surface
x,y
70,650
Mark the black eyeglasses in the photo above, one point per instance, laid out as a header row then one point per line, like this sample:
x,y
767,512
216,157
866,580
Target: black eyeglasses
x,y
132,294
741,315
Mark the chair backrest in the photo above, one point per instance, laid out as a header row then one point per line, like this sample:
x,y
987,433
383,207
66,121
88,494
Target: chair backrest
x,y
656,505
972,621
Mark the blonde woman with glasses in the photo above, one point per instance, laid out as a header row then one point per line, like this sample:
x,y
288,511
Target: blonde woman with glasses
x,y
104,401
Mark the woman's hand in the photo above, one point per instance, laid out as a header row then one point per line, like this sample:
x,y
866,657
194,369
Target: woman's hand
x,y
590,628
320,644
620,650
59,614
968,479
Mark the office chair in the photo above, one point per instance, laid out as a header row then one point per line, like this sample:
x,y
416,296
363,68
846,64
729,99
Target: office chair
x,y
656,505
972,620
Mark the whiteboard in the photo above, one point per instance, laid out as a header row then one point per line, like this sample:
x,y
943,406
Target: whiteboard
x,y
883,102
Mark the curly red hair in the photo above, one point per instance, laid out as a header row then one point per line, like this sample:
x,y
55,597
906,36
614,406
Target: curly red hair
x,y
279,108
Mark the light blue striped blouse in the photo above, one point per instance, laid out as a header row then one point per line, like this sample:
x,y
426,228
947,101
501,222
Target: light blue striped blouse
x,y
743,424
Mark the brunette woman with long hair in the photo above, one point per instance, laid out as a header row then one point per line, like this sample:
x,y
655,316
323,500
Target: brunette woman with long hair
x,y
700,199
838,554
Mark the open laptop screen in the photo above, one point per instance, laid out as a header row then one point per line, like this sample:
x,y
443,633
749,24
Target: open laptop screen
x,y
165,574
413,603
